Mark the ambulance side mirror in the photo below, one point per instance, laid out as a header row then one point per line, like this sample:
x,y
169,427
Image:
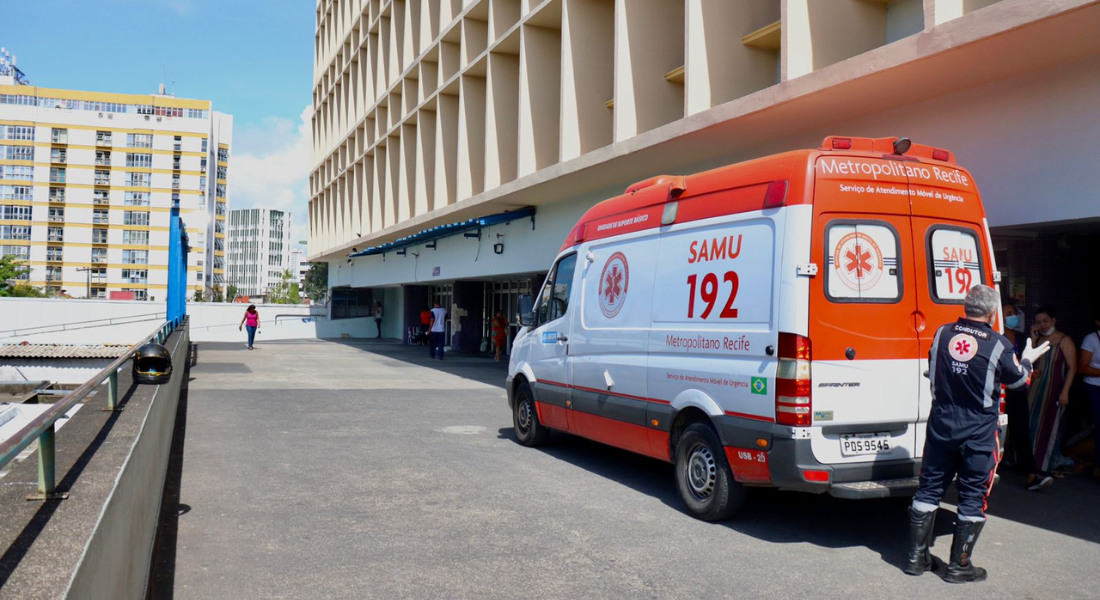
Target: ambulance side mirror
x,y
526,310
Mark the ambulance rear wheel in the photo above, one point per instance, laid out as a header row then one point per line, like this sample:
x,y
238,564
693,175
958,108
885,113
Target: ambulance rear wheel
x,y
703,475
529,430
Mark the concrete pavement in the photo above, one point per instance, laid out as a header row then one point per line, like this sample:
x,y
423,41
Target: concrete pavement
x,y
361,469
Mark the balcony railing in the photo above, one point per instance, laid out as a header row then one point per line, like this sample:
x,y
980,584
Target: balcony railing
x,y
103,162
99,260
103,181
57,158
103,141
56,218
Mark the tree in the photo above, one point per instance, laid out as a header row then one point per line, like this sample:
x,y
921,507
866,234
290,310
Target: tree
x,y
283,292
216,294
316,284
197,297
11,269
230,293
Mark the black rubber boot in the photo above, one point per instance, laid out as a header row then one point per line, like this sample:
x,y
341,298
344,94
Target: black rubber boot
x,y
921,538
961,570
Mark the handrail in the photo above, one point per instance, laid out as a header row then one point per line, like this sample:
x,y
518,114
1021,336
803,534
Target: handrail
x,y
122,320
41,428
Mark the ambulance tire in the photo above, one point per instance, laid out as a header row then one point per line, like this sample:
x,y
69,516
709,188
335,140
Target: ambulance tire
x,y
703,475
525,418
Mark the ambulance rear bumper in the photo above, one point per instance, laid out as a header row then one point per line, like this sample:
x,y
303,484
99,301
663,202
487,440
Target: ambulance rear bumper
x,y
791,459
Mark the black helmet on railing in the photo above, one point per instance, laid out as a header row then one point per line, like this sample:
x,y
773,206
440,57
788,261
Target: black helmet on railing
x,y
152,364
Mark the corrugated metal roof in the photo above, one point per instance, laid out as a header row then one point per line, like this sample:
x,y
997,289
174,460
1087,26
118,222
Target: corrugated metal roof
x,y
62,350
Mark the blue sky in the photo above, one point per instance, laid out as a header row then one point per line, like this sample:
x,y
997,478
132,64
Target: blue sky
x,y
252,58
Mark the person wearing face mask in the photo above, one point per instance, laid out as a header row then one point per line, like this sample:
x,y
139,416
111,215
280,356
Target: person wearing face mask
x,y
1049,392
1018,445
1088,365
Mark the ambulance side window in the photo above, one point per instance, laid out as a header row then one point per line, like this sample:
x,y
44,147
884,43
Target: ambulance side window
x,y
954,263
864,262
554,301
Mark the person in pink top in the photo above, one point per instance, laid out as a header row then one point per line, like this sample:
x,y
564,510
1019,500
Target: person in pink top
x,y
251,320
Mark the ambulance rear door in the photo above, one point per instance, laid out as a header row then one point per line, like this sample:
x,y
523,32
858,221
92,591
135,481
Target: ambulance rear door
x,y
951,256
865,366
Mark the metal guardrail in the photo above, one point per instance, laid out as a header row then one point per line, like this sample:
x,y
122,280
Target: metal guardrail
x,y
106,322
42,427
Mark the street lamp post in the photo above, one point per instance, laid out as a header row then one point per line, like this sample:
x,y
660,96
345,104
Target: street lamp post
x,y
88,287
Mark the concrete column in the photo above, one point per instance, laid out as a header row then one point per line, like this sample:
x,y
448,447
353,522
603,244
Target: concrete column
x,y
588,75
540,98
471,137
501,119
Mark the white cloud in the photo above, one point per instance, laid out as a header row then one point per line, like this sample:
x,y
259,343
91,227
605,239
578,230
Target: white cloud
x,y
270,168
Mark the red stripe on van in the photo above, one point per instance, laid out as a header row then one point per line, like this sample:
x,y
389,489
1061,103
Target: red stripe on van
x,y
604,392
748,416
635,438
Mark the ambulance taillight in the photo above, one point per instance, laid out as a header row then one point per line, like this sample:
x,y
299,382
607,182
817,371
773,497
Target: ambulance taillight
x,y
793,382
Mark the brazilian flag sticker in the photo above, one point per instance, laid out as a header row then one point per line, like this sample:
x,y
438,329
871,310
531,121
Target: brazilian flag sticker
x,y
759,385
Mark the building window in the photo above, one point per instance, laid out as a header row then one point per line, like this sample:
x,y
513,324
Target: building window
x,y
99,236
137,198
100,216
103,138
135,237
138,294
139,140
58,155
99,256
59,136
177,143
23,132
53,253
135,218
15,213
138,179
99,275
99,292
25,153
19,252
175,182
204,147
219,190
223,154
57,175
56,214
135,275
56,234
102,158
15,232
101,196
135,257
103,177
16,172
16,192
139,160
53,273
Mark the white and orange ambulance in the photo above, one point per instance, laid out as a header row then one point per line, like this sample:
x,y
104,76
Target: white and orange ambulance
x,y
762,324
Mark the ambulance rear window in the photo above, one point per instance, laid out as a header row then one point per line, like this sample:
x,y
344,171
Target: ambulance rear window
x,y
863,262
955,263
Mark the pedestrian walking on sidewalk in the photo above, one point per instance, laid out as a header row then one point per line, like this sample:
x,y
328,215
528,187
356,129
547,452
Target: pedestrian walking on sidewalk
x,y
968,362
500,333
251,320
378,318
437,331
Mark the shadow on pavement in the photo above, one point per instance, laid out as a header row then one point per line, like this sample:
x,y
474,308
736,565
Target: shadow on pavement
x,y
476,367
822,520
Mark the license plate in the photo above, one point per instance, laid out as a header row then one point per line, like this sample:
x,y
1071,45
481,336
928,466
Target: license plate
x,y
857,444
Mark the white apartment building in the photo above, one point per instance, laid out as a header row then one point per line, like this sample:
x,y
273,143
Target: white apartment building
x,y
259,250
88,181
429,113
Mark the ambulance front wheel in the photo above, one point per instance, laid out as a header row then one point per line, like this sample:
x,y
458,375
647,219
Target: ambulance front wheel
x,y
703,475
529,430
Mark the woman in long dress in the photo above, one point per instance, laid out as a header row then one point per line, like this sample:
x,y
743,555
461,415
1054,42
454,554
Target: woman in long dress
x,y
1049,393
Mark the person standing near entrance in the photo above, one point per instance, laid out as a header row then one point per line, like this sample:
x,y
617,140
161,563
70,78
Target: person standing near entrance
x,y
1049,393
1088,366
968,362
378,318
437,328
1018,446
251,320
500,333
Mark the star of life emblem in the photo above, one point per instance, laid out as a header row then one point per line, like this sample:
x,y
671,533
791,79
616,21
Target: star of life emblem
x,y
614,281
858,261
963,347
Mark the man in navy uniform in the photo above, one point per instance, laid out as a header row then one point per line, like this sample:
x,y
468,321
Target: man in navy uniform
x,y
968,363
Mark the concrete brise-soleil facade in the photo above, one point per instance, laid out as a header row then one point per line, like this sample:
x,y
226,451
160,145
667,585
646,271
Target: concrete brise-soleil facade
x,y
259,250
88,181
428,112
